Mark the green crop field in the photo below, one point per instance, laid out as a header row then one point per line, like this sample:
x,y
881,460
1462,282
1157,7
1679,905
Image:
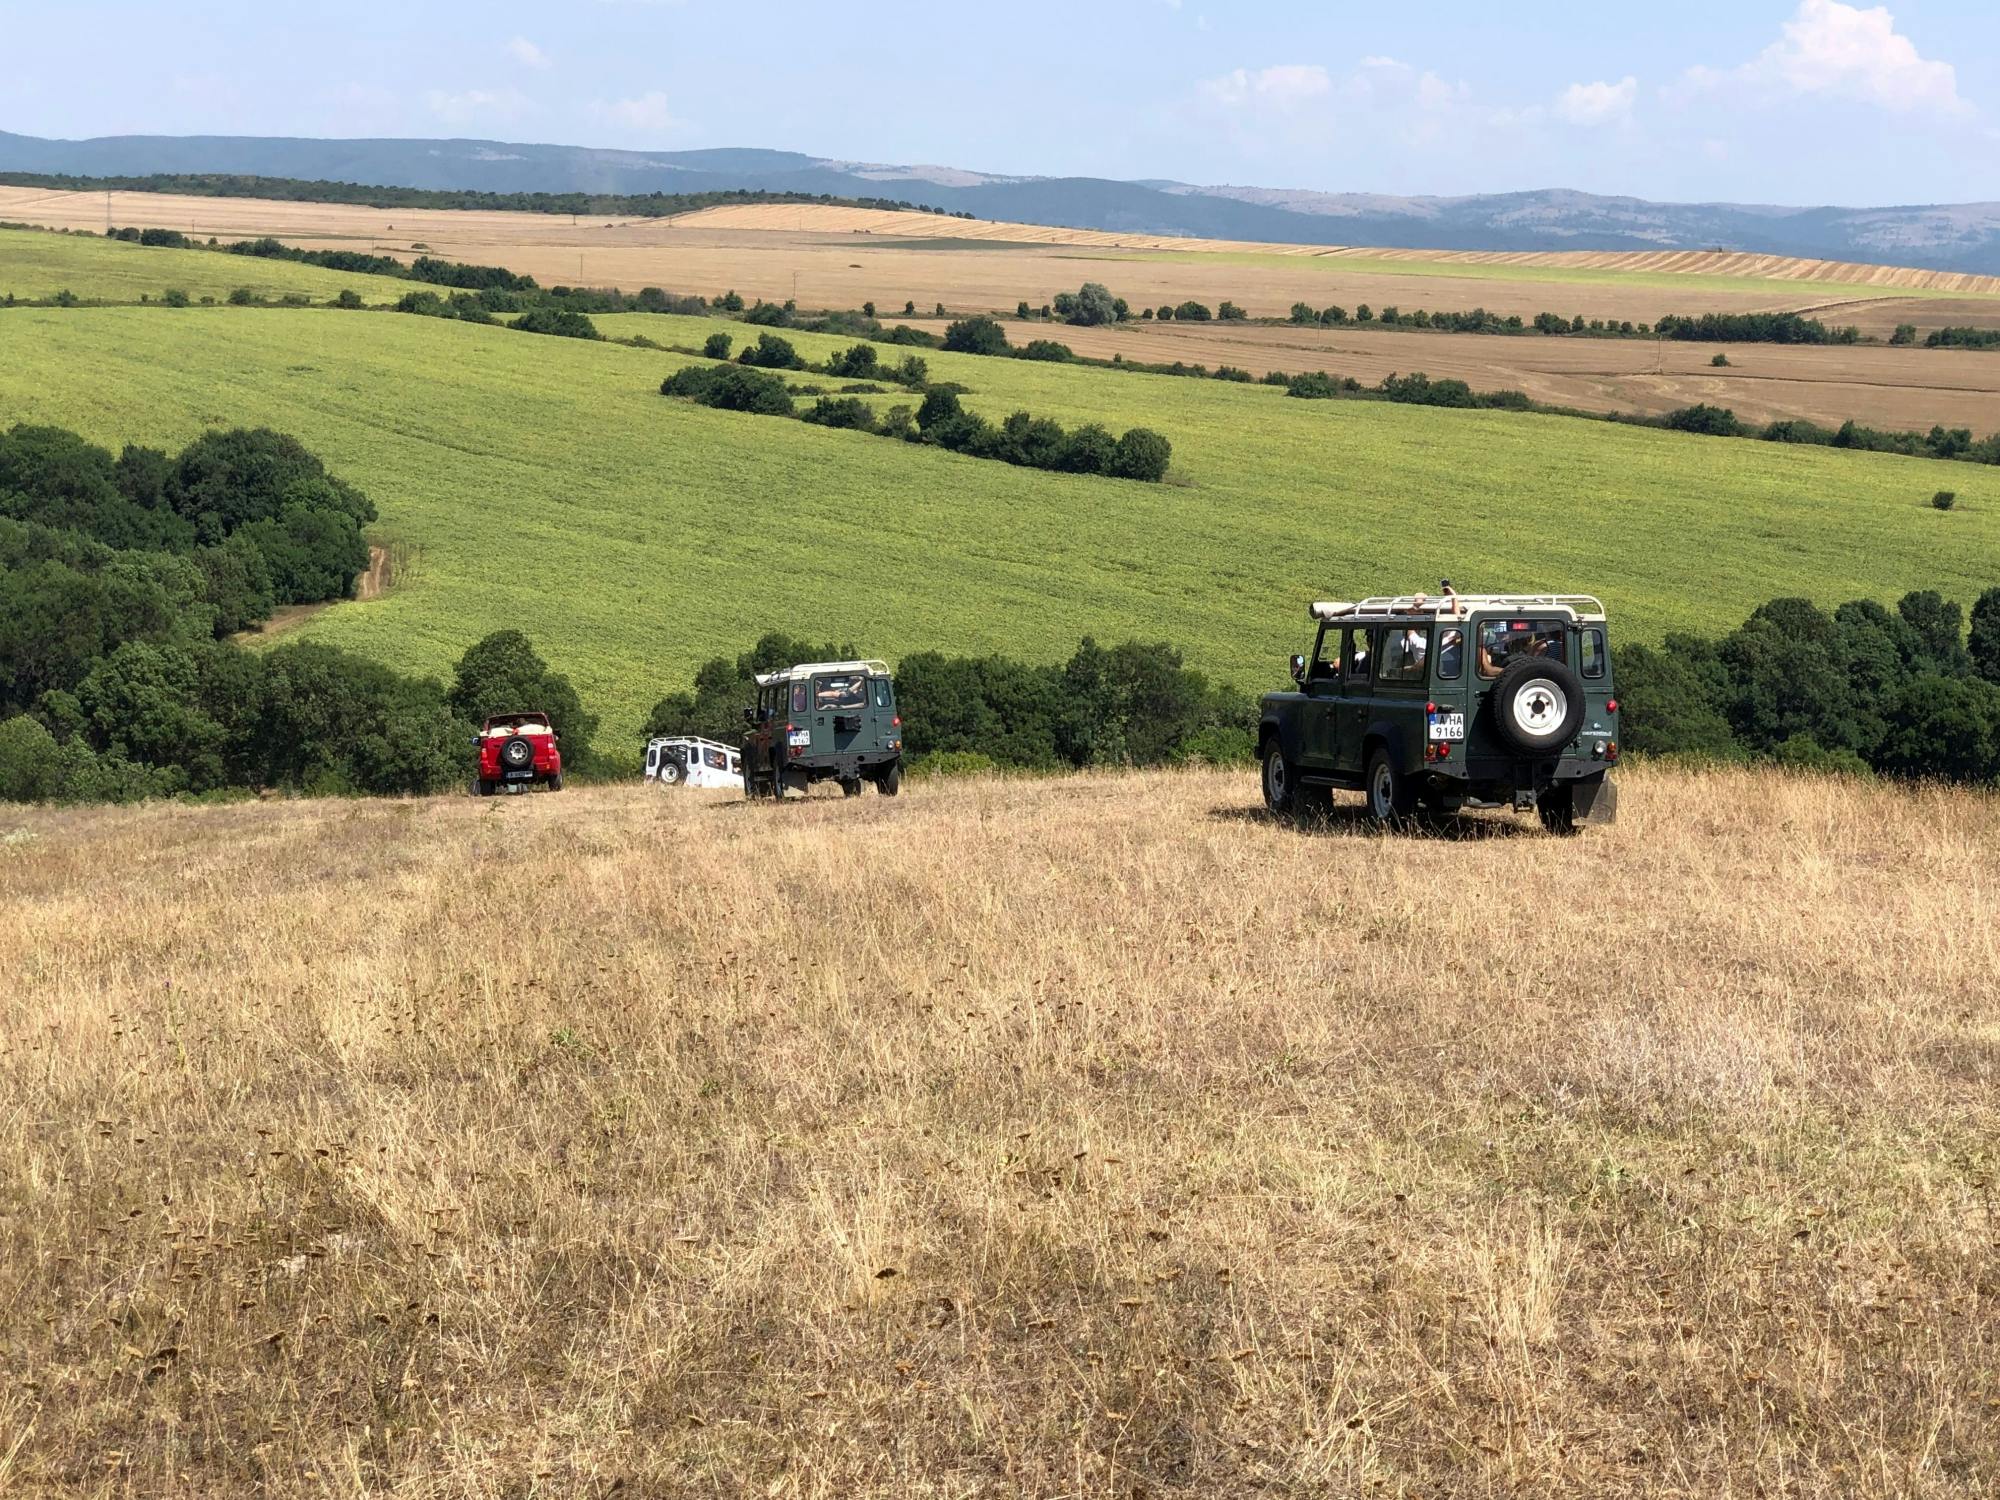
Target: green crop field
x,y
543,483
38,263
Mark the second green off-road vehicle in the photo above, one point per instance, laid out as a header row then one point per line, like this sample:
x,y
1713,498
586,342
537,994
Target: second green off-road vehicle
x,y
824,721
1499,700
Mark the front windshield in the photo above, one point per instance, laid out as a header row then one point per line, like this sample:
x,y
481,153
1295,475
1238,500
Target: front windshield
x,y
1501,641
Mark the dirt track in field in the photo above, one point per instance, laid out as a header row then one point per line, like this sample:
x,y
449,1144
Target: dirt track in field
x,y
835,257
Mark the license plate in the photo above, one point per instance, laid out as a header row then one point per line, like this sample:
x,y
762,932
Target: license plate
x,y
1447,726
798,739
519,775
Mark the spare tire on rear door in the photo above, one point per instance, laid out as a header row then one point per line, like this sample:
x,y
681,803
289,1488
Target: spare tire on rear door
x,y
518,754
1537,705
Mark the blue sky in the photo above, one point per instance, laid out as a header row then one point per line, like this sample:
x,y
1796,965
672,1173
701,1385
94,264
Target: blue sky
x,y
1797,101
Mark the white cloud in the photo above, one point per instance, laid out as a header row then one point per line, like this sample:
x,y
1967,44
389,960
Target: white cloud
x,y
527,53
1837,51
648,112
478,104
1282,89
1598,103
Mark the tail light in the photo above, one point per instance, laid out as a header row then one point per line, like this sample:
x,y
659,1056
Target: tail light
x,y
896,722
1611,751
1611,707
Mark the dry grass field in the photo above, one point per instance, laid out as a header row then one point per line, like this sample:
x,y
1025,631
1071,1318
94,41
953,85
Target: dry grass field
x,y
1089,1137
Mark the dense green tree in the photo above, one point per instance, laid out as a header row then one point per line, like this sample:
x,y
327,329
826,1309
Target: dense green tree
x,y
980,335
502,673
1983,645
1938,626
30,762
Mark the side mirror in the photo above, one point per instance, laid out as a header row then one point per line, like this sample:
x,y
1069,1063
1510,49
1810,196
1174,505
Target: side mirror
x,y
749,716
1298,669
475,742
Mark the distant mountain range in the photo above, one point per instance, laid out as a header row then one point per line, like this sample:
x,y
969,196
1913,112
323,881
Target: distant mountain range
x,y
1949,237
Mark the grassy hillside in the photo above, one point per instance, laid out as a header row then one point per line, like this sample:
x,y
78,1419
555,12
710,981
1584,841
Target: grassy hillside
x,y
37,264
543,483
639,1142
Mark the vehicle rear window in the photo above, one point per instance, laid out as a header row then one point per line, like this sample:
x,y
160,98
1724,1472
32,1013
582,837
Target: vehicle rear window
x,y
1500,641
798,697
1404,650
1591,650
716,759
882,692
848,690
1451,653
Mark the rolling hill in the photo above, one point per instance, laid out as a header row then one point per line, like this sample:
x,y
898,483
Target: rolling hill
x,y
1952,237
543,483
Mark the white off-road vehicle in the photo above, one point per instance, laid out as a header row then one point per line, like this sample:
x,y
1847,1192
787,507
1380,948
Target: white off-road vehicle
x,y
689,760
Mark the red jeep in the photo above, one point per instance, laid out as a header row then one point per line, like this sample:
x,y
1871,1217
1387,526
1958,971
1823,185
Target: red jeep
x,y
515,752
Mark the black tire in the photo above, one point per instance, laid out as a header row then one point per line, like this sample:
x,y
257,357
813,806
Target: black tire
x,y
671,773
517,754
555,782
1281,782
481,787
890,781
1556,807
1392,796
1537,705
850,786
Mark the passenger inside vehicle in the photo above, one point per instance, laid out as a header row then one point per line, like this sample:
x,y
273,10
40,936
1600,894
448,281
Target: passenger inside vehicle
x,y
847,691
1500,641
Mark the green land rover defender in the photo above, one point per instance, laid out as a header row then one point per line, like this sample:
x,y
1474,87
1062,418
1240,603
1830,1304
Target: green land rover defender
x,y
824,721
1499,700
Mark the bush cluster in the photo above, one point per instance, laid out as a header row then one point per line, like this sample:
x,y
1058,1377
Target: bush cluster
x,y
1042,443
1957,338
1906,693
1753,328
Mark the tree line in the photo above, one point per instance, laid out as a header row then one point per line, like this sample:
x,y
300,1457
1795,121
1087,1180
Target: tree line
x,y
1135,704
302,190
1909,692
120,581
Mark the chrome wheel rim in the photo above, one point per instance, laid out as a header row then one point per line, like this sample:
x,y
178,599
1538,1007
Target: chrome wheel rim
x,y
1274,779
1382,790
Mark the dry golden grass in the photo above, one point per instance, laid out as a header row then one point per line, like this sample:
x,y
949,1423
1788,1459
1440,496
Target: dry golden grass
x,y
1086,1137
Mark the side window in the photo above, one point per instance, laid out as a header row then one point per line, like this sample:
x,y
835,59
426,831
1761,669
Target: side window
x,y
1592,651
1359,648
714,758
882,692
1325,667
1451,653
1404,652
799,698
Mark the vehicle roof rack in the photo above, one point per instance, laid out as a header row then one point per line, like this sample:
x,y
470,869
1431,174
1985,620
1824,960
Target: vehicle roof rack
x,y
1454,606
813,668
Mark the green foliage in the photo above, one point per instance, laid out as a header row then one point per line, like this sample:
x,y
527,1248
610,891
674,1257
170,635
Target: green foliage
x,y
29,766
1192,312
1091,306
1944,499
1046,349
981,335
771,353
716,346
174,296
1752,328
1905,334
841,411
1861,689
725,686
502,673
861,362
558,321
1720,362
1229,312
1709,421
347,298
730,388
1142,454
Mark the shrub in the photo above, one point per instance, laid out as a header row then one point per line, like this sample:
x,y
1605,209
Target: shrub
x,y
1142,454
30,764
348,298
558,321
1333,317
730,388
940,405
1022,312
768,315
1945,499
1047,349
1166,313
242,297
1906,333
1710,421
729,301
981,335
1092,305
1192,312
1229,312
1720,362
717,346
867,309
1090,450
897,422
171,238
1231,372
1316,385
65,298
858,363
174,297
842,411
1302,312
771,353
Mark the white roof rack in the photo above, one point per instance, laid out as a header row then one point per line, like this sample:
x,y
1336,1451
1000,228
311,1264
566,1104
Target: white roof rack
x,y
691,739
814,668
1450,606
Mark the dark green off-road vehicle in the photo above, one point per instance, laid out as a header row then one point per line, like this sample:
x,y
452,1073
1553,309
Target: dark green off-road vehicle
x,y
1502,700
824,721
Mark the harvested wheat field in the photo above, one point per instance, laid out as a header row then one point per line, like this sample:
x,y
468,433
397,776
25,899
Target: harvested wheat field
x,y
828,256
1092,1137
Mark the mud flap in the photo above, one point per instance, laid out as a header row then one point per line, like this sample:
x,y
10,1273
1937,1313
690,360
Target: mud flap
x,y
1596,800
